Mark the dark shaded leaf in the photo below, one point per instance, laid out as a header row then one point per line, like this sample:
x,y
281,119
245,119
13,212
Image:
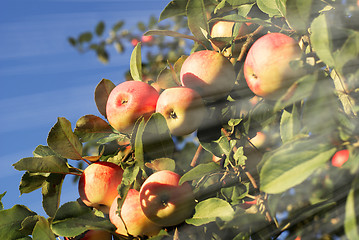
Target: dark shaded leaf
x,y
49,164
91,127
63,141
42,230
174,8
51,192
72,219
31,181
10,221
102,91
100,28
85,37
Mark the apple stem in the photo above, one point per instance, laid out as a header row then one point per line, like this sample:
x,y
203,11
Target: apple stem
x,y
196,156
86,161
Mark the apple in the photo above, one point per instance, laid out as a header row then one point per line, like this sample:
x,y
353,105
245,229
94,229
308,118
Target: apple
x,y
267,65
183,109
340,157
96,234
134,42
259,139
129,101
136,222
98,185
147,39
164,201
223,29
209,73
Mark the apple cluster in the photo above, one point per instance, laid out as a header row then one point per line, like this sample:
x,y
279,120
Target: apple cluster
x,y
160,202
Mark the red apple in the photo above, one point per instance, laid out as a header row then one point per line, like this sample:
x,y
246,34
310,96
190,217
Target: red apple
x,y
129,101
225,29
137,223
98,185
164,201
134,42
183,109
147,39
340,158
96,234
267,66
209,73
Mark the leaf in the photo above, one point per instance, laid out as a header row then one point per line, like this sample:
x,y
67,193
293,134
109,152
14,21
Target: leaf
x,y
63,141
209,210
156,138
165,79
289,124
128,179
321,40
10,221
31,181
199,171
51,192
1,204
178,65
72,219
162,164
139,154
298,13
174,8
351,212
292,163
118,26
49,164
43,151
42,230
100,27
136,63
91,127
102,91
72,41
197,21
27,226
85,37
271,7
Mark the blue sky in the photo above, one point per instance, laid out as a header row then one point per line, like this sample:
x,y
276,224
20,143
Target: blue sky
x,y
43,77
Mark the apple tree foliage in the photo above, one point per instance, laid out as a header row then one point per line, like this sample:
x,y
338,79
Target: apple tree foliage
x,y
285,188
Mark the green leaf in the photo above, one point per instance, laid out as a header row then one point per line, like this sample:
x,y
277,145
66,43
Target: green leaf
x,y
63,141
271,7
200,171
293,163
129,177
102,91
197,21
42,230
162,164
27,226
1,204
209,210
91,127
139,152
298,13
289,124
118,26
31,181
136,63
72,219
321,40
174,8
72,41
85,37
351,212
43,151
156,138
51,192
102,54
165,79
49,164
10,221
239,156
100,27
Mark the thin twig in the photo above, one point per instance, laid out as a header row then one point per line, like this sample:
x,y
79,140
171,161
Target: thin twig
x,y
196,156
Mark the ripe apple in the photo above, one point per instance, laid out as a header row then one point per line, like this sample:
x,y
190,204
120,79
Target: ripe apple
x,y
340,157
164,201
98,185
134,42
96,234
147,39
259,139
209,73
129,101
267,66
225,29
183,109
137,223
